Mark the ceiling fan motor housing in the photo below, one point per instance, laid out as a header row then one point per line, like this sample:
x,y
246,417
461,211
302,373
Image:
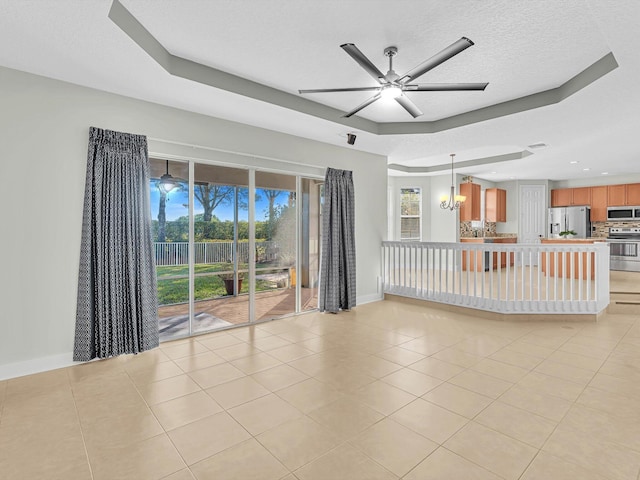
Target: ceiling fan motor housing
x,y
390,51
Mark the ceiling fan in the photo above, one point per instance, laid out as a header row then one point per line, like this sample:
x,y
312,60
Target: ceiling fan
x,y
393,85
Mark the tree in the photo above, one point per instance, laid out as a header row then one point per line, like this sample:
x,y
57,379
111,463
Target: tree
x,y
162,216
210,196
285,232
271,195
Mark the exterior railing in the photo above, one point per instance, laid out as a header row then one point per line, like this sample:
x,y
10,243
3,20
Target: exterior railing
x,y
177,253
502,277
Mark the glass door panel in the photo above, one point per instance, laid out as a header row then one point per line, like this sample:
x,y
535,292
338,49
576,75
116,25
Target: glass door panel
x,y
170,227
310,244
275,226
221,247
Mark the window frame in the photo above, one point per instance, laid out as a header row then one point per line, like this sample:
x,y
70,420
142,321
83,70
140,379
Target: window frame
x,y
416,191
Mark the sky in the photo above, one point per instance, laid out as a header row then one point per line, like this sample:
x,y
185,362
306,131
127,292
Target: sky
x,y
178,200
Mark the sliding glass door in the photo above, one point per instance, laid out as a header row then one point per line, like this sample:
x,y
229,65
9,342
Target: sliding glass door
x,y
276,245
311,206
221,247
203,253
169,193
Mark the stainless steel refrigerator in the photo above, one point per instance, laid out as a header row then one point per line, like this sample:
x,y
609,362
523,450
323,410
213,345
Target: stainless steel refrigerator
x,y
563,219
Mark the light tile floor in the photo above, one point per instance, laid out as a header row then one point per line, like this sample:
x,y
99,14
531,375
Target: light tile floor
x,y
389,390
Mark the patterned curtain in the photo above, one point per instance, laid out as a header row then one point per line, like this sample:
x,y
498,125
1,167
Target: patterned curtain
x,y
338,263
117,297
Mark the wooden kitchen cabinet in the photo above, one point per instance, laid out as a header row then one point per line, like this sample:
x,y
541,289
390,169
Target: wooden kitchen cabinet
x,y
565,197
598,198
633,194
503,255
599,204
616,195
470,209
561,197
581,196
560,263
473,261
495,205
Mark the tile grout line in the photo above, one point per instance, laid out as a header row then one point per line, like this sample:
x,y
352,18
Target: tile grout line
x,y
84,443
573,403
157,420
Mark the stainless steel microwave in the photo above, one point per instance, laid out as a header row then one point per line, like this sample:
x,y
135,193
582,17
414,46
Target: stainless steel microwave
x,y
623,213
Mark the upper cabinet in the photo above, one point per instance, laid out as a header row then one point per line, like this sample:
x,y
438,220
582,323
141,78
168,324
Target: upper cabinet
x,y
495,205
633,194
616,195
565,197
598,198
561,197
470,209
599,204
581,196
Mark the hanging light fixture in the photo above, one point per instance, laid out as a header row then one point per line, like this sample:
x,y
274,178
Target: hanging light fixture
x,y
167,182
453,201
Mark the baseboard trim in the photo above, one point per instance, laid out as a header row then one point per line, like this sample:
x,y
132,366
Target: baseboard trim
x,y
527,317
36,365
374,297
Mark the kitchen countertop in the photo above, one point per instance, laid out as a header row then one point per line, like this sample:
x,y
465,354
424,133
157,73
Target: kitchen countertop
x,y
571,240
488,239
491,238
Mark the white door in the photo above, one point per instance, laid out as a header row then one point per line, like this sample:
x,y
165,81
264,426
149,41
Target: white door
x,y
532,215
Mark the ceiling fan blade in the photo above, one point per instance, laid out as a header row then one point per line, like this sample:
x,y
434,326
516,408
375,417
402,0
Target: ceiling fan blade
x,y
452,50
363,61
444,87
409,106
361,106
356,89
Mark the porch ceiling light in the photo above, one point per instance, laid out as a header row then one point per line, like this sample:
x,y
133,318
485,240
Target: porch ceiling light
x,y
167,182
453,201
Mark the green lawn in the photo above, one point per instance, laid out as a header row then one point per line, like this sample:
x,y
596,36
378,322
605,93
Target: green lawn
x,y
176,290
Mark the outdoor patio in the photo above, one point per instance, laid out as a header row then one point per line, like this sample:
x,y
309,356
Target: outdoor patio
x,y
231,310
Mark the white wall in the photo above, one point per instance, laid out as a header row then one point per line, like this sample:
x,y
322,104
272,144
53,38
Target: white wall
x,y
438,225
444,223
395,184
44,126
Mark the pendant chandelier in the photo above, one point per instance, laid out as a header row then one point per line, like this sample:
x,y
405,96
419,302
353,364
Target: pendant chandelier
x,y
453,201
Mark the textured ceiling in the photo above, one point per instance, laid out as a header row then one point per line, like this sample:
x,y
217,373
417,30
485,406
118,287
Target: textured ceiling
x,y
521,47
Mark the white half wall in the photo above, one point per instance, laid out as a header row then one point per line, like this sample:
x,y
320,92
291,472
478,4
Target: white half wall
x,y
44,127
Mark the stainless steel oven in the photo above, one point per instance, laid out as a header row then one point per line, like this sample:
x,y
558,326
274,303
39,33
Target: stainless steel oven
x,y
624,248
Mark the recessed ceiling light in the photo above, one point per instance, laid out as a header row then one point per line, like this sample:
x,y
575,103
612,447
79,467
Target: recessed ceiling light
x,y
574,162
586,169
605,173
494,172
511,178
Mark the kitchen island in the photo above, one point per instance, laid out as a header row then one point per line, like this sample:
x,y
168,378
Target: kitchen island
x,y
473,261
564,260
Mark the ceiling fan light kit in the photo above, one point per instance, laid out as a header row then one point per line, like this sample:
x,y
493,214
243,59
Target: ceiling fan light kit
x,y
393,86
